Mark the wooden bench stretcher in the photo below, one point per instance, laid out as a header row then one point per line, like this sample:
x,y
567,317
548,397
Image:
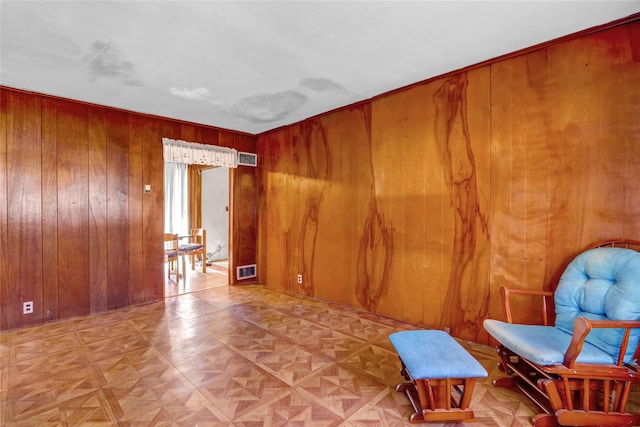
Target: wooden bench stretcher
x,y
442,375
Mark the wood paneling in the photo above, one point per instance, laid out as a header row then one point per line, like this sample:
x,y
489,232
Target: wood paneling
x,y
77,233
137,271
564,134
49,209
73,209
98,211
354,201
152,223
118,208
5,315
23,262
242,227
419,204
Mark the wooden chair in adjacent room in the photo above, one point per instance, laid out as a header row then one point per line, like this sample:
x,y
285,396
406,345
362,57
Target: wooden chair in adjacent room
x,y
171,254
197,246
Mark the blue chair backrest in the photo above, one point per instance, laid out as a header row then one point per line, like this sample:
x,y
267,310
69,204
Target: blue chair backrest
x,y
601,284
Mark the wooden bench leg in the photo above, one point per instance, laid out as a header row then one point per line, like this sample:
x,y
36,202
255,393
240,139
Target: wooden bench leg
x,y
432,401
465,399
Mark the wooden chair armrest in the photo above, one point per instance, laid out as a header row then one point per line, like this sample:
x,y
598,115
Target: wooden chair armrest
x,y
506,300
581,328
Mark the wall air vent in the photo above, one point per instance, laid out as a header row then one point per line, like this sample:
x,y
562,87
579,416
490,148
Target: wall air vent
x,y
246,271
247,159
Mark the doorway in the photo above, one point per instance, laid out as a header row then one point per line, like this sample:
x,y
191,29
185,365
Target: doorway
x,y
197,195
215,219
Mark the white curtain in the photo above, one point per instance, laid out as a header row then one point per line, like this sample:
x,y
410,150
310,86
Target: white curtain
x,y
175,198
192,153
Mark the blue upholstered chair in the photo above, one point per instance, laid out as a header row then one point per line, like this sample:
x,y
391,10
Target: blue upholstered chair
x,y
580,370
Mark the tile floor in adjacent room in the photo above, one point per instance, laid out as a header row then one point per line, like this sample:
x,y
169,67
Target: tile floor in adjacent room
x,y
193,279
226,356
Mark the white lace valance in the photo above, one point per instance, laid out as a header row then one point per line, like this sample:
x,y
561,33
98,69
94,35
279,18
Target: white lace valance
x,y
193,153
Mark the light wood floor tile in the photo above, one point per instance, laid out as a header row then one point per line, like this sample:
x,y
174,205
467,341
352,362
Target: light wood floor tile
x,y
289,409
239,391
341,390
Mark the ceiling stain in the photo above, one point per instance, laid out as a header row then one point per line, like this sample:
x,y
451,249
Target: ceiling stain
x,y
105,61
270,107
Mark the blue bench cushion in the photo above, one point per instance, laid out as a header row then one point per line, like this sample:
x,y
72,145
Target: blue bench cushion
x,y
432,354
544,345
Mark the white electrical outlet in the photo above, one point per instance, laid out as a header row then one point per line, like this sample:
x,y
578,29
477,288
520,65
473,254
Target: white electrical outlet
x,y
300,278
27,307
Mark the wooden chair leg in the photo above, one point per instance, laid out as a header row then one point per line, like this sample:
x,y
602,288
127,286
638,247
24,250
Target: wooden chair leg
x,y
554,395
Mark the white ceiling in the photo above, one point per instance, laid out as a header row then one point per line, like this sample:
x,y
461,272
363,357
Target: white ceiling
x,y
257,65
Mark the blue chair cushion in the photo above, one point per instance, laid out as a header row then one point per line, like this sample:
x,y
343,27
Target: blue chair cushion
x,y
432,354
188,247
544,345
601,284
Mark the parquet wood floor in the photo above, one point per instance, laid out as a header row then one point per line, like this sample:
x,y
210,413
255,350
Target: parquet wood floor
x,y
226,356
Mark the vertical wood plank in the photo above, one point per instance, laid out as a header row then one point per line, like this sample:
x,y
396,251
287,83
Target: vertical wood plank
x,y
280,209
336,230
24,209
49,209
507,115
314,171
152,206
206,135
400,126
360,192
117,175
98,215
136,195
5,289
631,83
187,133
244,143
73,210
243,219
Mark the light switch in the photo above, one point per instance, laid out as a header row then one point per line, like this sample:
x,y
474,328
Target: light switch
x,y
147,189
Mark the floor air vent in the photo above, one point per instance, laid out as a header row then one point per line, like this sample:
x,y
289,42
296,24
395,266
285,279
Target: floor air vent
x,y
246,271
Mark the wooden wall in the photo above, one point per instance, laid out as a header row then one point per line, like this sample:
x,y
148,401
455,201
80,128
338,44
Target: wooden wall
x,y
77,234
419,204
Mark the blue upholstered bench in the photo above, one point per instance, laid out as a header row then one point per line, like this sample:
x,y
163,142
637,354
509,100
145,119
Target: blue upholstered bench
x,y
434,362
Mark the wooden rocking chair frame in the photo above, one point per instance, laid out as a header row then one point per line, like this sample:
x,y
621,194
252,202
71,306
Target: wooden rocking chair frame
x,y
573,393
